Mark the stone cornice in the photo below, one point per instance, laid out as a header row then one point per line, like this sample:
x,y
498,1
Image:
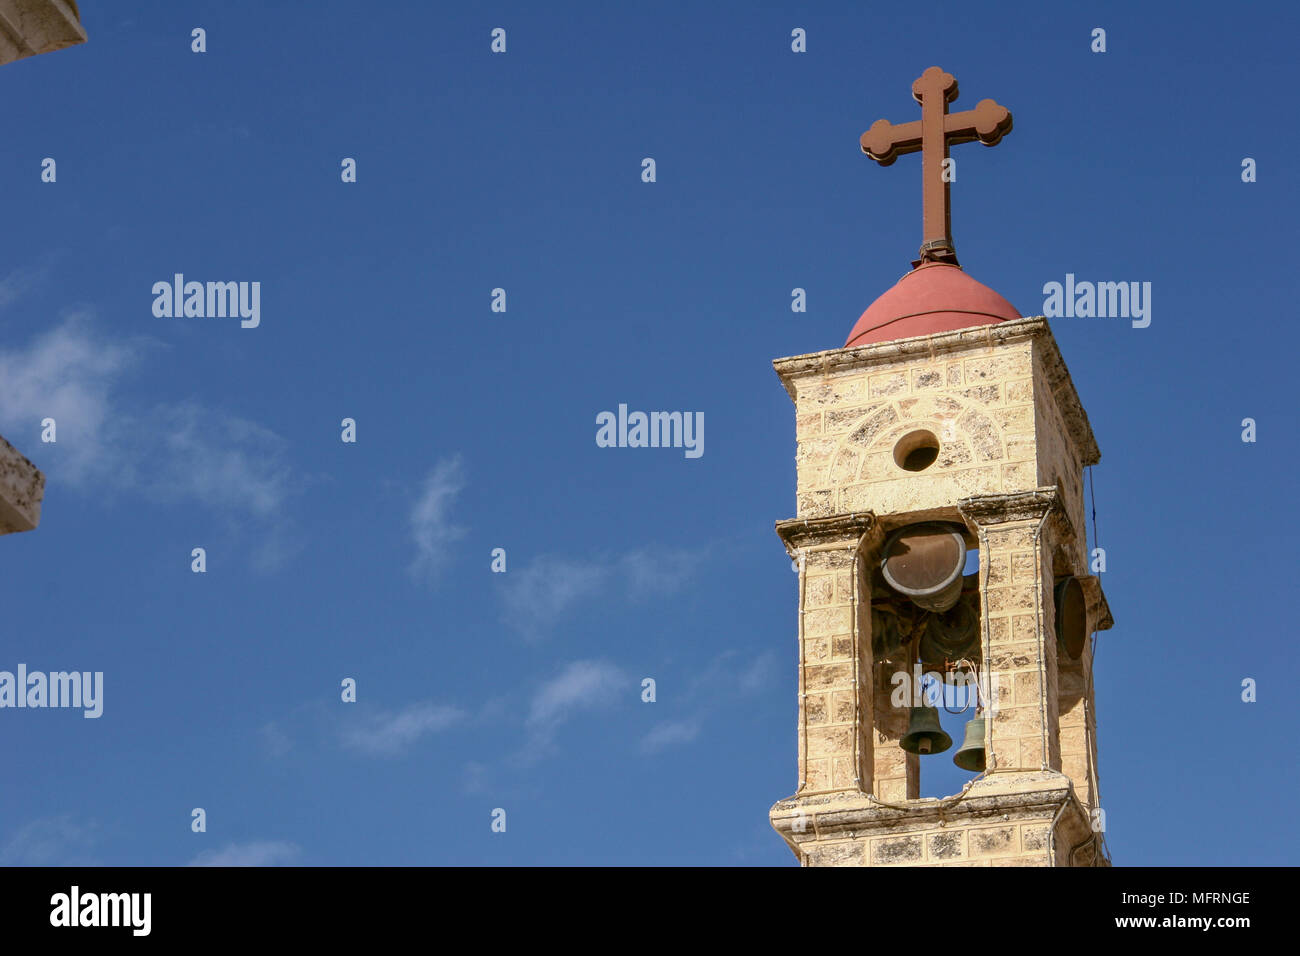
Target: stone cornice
x,y
878,353
1014,506
838,529
848,814
985,510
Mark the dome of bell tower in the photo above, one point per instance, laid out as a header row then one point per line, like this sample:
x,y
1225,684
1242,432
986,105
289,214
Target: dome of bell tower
x,y
933,297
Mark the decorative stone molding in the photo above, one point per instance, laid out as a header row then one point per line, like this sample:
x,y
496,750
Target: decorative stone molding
x,y
983,510
798,533
32,27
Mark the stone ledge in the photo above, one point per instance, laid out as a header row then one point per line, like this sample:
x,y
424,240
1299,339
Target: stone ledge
x,y
21,488
31,27
805,532
1098,608
879,353
1020,795
1005,507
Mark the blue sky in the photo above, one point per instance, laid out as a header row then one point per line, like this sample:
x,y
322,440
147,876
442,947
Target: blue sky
x,y
476,428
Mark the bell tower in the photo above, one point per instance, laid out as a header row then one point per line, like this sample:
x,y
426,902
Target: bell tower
x,y
946,425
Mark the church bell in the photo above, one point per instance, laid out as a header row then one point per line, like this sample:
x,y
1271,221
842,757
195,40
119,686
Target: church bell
x,y
924,562
924,735
1071,617
971,755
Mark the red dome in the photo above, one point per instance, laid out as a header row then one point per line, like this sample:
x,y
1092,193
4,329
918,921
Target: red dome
x,y
934,297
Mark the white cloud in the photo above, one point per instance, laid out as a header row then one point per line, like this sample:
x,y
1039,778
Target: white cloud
x,y
388,734
651,573
17,282
274,739
220,460
716,685
49,841
431,524
536,597
68,375
253,853
668,733
474,778
757,674
179,451
581,685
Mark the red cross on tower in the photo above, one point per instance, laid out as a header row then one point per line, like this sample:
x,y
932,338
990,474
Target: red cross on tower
x,y
932,134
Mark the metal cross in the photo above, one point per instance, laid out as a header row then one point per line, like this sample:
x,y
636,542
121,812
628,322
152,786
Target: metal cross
x,y
932,134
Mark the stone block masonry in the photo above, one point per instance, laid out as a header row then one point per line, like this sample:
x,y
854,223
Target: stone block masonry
x,y
21,488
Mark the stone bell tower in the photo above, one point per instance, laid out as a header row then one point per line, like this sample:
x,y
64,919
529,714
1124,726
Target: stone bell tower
x,y
948,418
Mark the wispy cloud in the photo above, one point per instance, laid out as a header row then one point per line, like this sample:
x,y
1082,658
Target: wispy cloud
x,y
253,853
389,734
650,573
179,451
756,675
50,841
16,283
274,739
220,460
536,597
431,518
474,778
68,374
581,685
669,733
717,685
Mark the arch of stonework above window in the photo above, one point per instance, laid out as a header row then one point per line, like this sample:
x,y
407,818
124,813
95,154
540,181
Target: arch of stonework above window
x,y
819,365
966,436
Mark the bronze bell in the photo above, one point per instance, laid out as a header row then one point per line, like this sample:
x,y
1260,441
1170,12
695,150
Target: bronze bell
x,y
924,735
924,562
971,755
955,633
1071,617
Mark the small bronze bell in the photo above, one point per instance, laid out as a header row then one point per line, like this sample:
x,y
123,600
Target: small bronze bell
x,y
971,755
924,735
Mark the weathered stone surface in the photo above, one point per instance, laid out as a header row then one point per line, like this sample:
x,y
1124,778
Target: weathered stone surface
x,y
905,849
992,841
836,854
22,486
31,27
948,845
